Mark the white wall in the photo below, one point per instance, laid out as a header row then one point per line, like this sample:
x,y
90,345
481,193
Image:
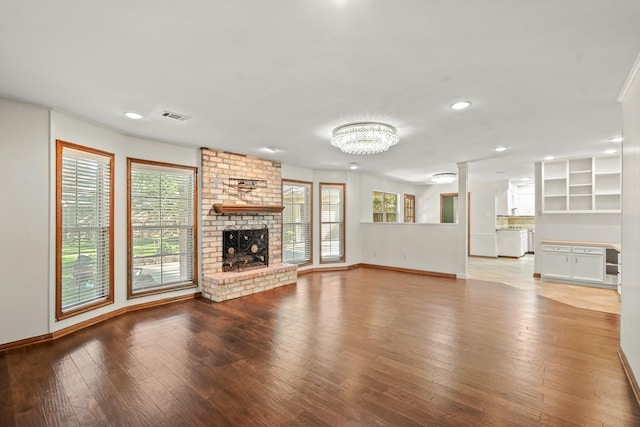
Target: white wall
x,y
502,198
359,206
482,215
27,216
296,173
24,221
27,164
581,227
369,184
482,220
428,201
428,247
630,305
77,131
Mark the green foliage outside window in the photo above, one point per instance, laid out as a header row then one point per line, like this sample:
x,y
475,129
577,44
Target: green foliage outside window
x,y
385,207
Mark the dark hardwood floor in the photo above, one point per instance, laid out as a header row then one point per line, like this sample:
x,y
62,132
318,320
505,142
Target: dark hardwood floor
x,y
360,347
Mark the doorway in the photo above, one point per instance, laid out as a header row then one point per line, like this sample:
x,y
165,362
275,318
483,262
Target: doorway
x,y
449,213
448,208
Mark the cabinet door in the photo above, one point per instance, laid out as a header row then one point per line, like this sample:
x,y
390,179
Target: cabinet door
x,y
587,267
526,204
556,264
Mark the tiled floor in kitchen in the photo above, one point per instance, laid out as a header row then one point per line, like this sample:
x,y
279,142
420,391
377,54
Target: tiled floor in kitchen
x,y
519,274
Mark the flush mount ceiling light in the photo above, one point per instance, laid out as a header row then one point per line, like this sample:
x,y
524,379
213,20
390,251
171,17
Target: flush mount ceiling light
x,y
133,116
609,151
272,149
615,139
353,166
461,105
444,178
364,137
549,158
499,149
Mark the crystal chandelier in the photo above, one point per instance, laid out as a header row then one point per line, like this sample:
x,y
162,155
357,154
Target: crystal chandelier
x,y
364,137
444,178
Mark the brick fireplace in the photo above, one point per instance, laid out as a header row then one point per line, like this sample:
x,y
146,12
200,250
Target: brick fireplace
x,y
241,193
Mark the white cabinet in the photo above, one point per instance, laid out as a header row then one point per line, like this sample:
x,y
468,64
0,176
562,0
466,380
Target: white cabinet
x,y
574,263
589,184
556,261
524,241
588,264
507,202
526,205
512,243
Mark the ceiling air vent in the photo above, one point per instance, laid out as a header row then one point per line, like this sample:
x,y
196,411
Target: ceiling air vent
x,y
175,116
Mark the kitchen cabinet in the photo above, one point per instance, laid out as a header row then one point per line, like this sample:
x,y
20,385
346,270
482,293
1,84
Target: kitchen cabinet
x,y
507,203
512,243
526,205
556,261
587,266
578,263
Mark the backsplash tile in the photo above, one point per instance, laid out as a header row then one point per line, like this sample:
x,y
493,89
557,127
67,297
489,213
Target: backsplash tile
x,y
515,222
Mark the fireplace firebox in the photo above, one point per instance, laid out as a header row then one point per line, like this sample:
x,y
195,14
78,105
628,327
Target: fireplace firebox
x,y
244,249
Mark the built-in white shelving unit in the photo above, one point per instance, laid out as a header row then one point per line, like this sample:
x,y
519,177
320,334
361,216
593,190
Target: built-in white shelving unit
x,y
587,184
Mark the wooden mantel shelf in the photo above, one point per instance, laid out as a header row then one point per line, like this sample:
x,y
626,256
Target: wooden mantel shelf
x,y
245,209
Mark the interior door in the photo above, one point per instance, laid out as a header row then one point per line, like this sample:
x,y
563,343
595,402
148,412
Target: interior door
x,y
448,208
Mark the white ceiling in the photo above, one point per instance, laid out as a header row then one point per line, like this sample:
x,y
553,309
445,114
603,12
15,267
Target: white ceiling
x,y
543,75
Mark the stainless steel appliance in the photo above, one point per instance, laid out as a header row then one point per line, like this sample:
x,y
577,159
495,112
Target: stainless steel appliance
x,y
531,240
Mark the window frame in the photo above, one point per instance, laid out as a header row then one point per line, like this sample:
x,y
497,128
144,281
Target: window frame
x,y
344,221
109,298
411,207
384,212
131,293
310,210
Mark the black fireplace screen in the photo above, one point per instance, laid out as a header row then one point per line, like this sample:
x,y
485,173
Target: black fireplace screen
x,y
245,248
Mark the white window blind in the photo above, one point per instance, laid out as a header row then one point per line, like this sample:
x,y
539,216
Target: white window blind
x,y
84,228
332,222
162,226
296,222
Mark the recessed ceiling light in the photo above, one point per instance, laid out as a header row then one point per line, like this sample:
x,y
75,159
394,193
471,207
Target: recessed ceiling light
x,y
499,149
615,139
353,166
609,151
272,149
549,157
461,105
133,116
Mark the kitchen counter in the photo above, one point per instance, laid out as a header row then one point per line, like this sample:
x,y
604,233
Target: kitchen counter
x,y
614,246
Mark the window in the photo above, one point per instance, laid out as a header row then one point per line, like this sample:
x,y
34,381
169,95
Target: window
x,y
385,207
409,208
162,227
296,222
84,232
332,223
